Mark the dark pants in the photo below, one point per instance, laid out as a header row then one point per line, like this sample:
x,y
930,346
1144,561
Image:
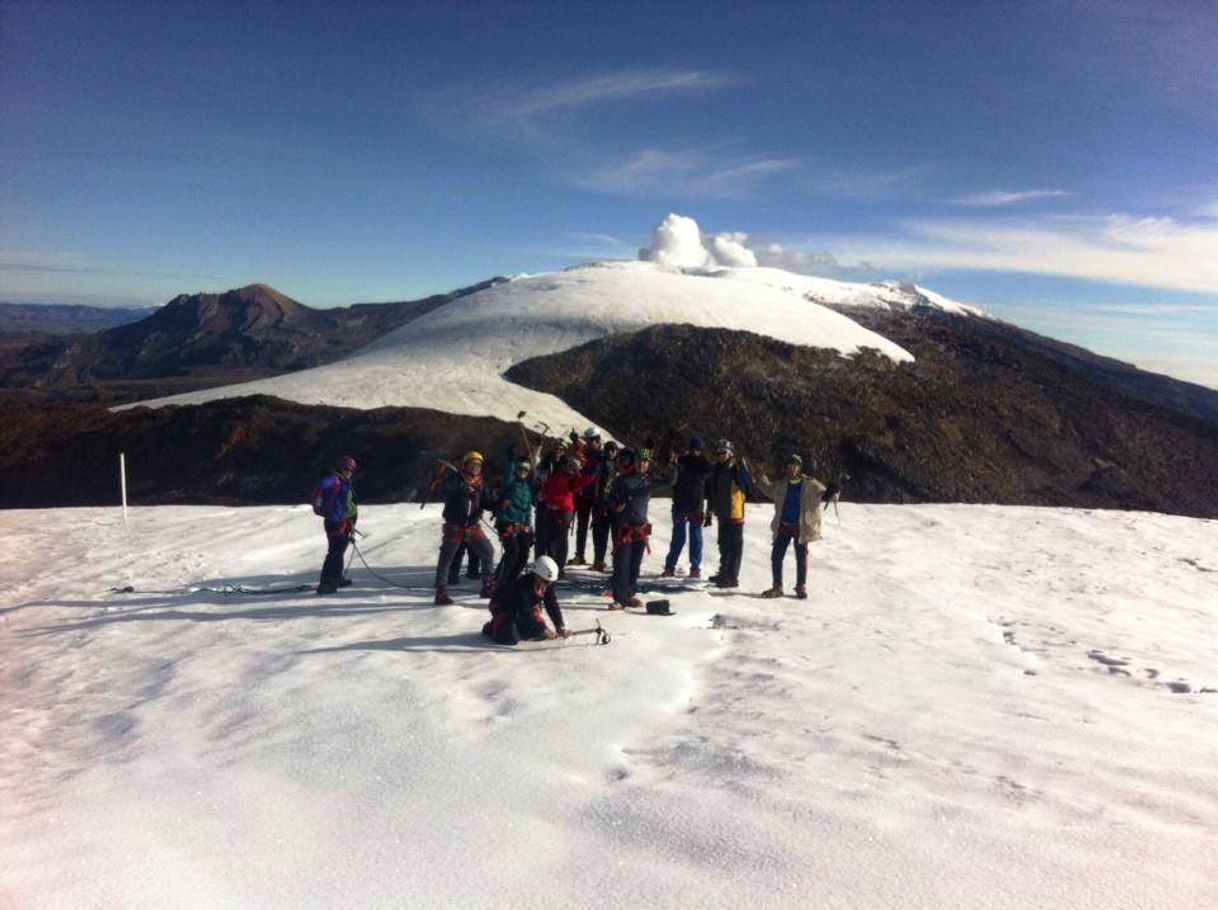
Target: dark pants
x,y
786,534
515,556
332,568
731,550
601,526
454,571
558,525
583,513
627,561
505,629
475,542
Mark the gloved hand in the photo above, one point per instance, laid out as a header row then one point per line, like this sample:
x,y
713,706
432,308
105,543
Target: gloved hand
x,y
550,636
564,632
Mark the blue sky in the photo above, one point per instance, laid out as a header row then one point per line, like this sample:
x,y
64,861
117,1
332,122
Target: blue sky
x,y
1055,162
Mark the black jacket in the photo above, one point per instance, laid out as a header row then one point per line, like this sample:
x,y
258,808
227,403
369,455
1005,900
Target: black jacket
x,y
689,490
519,599
463,500
632,492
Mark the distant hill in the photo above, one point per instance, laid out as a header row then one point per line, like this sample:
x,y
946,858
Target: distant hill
x,y
66,319
197,341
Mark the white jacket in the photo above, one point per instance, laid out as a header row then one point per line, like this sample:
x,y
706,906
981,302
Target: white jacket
x,y
810,505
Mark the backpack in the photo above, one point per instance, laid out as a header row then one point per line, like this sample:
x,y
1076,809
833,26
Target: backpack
x,y
318,499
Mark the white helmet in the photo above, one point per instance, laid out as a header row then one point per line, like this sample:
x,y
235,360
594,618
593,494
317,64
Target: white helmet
x,y
545,568
591,433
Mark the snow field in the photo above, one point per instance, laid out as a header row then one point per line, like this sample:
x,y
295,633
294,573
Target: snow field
x,y
972,709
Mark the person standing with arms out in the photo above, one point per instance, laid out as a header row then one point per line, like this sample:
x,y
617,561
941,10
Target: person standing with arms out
x,y
798,501
688,508
334,500
591,455
465,496
727,488
631,499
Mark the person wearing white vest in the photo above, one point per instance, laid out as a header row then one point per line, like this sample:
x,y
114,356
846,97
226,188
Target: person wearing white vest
x,y
798,510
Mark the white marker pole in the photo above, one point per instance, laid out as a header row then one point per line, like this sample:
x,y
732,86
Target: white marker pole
x,y
122,483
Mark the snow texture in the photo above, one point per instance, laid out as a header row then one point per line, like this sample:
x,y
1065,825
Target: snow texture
x,y
453,358
977,707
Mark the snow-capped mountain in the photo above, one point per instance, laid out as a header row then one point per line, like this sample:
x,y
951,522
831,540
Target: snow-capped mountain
x,y
454,358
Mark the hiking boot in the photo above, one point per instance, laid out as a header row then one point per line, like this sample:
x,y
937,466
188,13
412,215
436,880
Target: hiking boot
x,y
715,579
668,573
616,606
727,583
345,583
327,587
442,598
598,567
694,573
801,591
577,561
775,591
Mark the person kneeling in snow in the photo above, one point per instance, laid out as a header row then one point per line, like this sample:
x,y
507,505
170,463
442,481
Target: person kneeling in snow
x,y
334,500
797,517
516,607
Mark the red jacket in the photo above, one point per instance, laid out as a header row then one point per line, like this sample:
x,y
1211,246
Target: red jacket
x,y
558,491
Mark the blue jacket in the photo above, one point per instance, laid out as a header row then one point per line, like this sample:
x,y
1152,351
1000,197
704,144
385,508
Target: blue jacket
x,y
335,496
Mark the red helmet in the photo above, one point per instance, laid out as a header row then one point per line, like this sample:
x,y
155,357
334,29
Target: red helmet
x,y
345,464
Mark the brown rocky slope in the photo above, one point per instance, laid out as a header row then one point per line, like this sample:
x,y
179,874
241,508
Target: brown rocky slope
x,y
975,419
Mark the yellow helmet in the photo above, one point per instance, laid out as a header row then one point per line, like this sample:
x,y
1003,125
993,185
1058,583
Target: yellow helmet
x,y
472,456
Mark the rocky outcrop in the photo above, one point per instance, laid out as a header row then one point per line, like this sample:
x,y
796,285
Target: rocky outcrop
x,y
976,418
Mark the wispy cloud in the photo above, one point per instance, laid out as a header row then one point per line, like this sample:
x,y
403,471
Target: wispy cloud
x,y
996,198
870,184
539,114
548,123
610,87
686,173
1150,252
603,239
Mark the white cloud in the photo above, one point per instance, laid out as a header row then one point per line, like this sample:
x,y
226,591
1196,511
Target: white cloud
x,y
1151,252
1148,252
996,198
559,125
690,172
540,115
678,243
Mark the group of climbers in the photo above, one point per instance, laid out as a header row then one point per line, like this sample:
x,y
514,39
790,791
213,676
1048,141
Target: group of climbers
x,y
583,485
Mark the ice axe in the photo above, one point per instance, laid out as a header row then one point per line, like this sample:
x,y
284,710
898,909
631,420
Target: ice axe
x,y
602,637
528,447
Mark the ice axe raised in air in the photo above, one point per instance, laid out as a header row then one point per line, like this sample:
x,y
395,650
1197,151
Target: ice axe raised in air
x,y
528,446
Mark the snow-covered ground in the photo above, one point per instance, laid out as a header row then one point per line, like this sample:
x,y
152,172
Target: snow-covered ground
x,y
453,358
974,709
